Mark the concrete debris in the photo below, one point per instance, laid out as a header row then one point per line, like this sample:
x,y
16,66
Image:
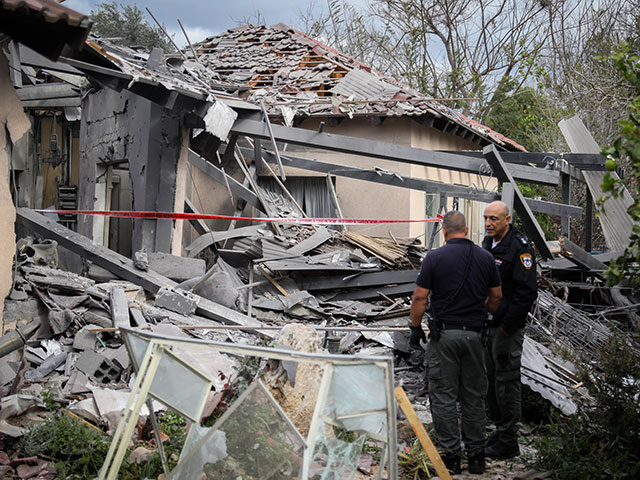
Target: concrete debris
x,y
119,308
176,268
141,260
218,288
86,337
176,300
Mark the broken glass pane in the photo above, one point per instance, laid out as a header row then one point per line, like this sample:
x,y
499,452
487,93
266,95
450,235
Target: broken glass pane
x,y
136,345
356,400
335,459
257,438
180,386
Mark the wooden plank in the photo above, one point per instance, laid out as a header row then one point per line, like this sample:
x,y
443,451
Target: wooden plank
x,y
329,282
421,433
580,257
217,174
384,150
123,267
424,185
521,206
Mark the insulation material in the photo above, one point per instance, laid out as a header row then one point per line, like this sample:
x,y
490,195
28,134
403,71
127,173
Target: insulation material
x,y
219,120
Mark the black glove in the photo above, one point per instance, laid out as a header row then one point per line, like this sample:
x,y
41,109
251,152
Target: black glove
x,y
417,336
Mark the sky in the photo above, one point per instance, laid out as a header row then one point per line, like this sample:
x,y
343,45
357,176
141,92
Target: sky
x,y
202,18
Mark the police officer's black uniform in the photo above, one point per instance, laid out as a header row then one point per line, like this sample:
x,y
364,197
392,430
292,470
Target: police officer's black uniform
x,y
515,260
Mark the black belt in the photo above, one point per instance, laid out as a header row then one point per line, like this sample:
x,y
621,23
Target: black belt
x,y
449,326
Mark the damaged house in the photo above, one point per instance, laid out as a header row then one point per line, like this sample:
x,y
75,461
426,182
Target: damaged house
x,y
240,132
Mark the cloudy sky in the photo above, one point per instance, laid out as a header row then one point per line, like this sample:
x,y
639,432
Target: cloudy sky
x,y
209,17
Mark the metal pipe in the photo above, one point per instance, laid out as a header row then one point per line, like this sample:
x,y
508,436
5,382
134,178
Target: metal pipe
x,y
16,339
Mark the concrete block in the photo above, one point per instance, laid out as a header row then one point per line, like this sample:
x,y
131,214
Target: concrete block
x,y
119,355
99,368
176,268
177,301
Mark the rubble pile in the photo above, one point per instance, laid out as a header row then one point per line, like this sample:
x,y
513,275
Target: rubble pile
x,y
62,341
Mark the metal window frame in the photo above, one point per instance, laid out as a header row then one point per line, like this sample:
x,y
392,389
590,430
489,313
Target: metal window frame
x,y
159,345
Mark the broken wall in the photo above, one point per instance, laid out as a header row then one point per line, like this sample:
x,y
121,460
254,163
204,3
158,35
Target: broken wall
x,y
120,128
13,125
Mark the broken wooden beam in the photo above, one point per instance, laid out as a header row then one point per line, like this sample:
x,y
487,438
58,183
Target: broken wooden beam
x,y
217,174
385,150
520,204
329,282
580,257
424,185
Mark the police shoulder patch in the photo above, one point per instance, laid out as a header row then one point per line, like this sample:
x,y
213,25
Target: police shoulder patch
x,y
527,260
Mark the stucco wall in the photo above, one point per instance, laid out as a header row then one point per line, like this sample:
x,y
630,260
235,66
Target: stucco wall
x,y
13,125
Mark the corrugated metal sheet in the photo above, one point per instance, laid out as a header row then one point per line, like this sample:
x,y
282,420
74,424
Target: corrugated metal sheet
x,y
361,85
616,223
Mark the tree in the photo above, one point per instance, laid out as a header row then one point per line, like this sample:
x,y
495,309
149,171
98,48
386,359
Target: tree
x,y
627,145
127,23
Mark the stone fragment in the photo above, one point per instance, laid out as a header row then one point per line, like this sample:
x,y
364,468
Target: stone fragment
x,y
298,402
85,339
141,260
177,301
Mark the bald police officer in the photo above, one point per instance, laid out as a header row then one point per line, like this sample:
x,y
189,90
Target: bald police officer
x,y
464,283
516,262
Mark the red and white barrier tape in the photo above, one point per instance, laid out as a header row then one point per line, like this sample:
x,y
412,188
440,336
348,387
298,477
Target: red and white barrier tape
x,y
202,216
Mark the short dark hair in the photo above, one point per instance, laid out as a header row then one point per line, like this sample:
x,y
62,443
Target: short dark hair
x,y
454,222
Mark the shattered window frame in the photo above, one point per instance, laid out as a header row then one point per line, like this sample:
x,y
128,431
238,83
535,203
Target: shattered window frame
x,y
160,345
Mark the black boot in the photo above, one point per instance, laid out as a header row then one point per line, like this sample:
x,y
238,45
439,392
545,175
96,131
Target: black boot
x,y
476,464
492,439
502,451
452,462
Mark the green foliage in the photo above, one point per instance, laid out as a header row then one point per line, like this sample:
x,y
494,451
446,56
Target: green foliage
x,y
258,444
627,146
603,439
128,23
549,227
413,462
79,449
527,116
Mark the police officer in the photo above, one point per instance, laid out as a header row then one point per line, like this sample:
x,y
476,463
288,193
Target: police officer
x,y
460,276
515,260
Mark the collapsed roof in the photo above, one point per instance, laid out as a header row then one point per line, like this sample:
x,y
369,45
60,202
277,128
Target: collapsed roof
x,y
295,74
